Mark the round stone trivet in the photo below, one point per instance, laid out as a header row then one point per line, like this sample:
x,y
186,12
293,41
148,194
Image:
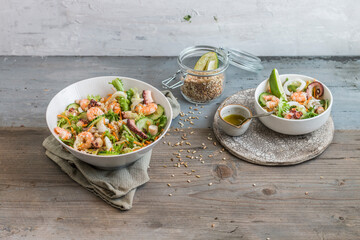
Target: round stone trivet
x,y
261,145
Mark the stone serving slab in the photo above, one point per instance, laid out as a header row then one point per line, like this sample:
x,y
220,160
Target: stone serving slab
x,y
263,146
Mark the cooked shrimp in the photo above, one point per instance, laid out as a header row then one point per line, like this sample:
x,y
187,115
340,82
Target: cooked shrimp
x,y
146,109
288,115
270,98
271,101
63,133
83,141
115,107
298,97
271,104
93,112
82,123
98,143
84,104
320,110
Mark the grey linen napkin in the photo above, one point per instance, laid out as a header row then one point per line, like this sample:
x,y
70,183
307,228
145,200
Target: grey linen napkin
x,y
115,187
173,102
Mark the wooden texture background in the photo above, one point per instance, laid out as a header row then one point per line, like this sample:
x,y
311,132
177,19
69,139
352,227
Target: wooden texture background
x,y
319,199
27,84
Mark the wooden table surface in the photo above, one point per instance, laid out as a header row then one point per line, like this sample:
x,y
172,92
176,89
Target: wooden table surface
x,y
230,198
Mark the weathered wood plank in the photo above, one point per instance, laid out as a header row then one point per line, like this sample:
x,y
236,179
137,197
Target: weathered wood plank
x,y
158,28
27,84
245,201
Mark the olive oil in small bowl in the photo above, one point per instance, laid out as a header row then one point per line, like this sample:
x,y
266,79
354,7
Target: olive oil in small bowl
x,y
232,118
235,119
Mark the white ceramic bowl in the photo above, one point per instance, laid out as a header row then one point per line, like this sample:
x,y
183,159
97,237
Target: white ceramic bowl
x,y
100,86
293,126
229,128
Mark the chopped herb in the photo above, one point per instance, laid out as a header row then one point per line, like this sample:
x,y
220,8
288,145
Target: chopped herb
x,y
187,18
161,122
118,148
110,136
77,128
96,98
215,18
73,118
309,114
129,132
112,116
69,142
62,122
129,138
292,88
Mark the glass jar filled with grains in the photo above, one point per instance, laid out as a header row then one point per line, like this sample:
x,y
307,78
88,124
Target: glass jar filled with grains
x,y
202,86
202,71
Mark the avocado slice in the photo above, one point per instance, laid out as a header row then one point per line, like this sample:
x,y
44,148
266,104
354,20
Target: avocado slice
x,y
208,61
276,85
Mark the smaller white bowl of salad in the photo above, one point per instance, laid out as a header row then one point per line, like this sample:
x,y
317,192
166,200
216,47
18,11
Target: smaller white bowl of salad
x,y
109,121
300,104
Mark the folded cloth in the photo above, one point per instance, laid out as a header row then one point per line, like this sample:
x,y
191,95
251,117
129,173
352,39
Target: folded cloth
x,y
115,187
173,102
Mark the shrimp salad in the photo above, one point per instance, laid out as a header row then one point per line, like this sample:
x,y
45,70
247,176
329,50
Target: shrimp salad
x,y
122,122
296,99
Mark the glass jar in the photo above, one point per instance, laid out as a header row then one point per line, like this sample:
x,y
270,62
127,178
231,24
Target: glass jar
x,y
201,86
204,86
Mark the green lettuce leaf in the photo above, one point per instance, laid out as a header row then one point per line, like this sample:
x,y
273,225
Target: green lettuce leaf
x,y
118,85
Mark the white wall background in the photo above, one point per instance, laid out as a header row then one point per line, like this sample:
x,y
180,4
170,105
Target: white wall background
x,y
157,28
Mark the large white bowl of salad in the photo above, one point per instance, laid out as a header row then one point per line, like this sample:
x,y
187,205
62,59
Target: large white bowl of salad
x,y
300,104
109,121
